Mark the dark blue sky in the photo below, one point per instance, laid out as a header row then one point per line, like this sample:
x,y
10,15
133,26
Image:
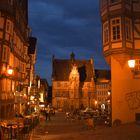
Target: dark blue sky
x,y
63,26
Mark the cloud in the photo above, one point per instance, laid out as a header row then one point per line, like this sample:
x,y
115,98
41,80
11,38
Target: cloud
x,y
63,26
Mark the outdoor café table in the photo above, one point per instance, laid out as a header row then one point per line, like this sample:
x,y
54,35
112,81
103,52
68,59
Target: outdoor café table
x,y
28,119
5,130
14,128
10,125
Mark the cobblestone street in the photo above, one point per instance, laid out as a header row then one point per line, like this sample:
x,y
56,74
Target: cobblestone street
x,y
60,129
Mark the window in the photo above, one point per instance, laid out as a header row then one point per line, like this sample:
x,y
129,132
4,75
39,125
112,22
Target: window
x,y
105,33
137,65
116,29
128,29
7,26
4,54
23,67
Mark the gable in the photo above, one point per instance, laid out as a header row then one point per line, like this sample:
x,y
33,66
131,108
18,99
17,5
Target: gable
x,y
62,69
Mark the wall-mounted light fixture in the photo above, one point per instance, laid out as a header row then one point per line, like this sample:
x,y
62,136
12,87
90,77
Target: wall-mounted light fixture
x,y
131,63
134,65
96,102
109,92
10,71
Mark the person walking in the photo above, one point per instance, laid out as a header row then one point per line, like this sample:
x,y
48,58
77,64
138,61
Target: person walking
x,y
46,114
49,114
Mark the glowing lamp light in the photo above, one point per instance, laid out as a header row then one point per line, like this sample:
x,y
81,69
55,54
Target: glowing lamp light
x,y
96,102
108,93
10,71
131,63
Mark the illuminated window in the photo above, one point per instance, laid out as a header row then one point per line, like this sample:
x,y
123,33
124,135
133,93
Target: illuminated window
x,y
137,65
116,29
128,29
105,33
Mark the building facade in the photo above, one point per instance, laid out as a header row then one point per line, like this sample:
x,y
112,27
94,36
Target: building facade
x,y
121,38
44,91
73,84
103,86
33,80
14,33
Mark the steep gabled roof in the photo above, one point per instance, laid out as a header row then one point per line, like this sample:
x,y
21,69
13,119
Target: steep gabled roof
x,y
103,74
32,45
62,69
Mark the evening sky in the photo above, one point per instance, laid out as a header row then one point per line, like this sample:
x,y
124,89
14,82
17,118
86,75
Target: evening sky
x,y
65,26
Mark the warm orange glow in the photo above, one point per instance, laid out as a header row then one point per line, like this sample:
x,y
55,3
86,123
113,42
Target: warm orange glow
x,y
131,63
10,71
108,93
96,102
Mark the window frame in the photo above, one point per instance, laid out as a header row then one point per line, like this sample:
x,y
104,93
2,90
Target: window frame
x,y
128,29
116,29
106,32
137,65
8,28
5,54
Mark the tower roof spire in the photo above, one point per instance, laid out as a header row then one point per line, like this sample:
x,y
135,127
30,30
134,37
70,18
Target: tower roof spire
x,y
72,56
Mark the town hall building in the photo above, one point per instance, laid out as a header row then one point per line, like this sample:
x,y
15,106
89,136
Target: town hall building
x,y
73,85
